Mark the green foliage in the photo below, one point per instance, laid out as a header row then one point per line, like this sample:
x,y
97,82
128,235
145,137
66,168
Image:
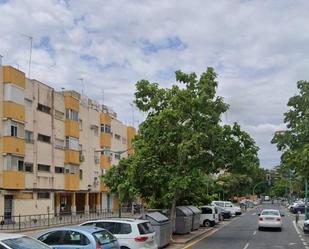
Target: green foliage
x,y
181,143
294,142
118,180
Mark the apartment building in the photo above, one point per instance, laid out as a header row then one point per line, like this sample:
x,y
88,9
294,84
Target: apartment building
x,y
54,148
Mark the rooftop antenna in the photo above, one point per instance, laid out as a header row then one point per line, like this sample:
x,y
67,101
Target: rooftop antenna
x,y
82,85
103,97
30,53
1,56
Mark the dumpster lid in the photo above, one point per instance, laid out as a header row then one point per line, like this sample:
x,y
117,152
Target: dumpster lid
x,y
157,216
186,211
194,209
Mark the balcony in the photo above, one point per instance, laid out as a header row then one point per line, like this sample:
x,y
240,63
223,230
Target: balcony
x,y
14,76
105,162
71,182
105,119
13,179
71,103
71,157
13,145
14,111
71,128
105,140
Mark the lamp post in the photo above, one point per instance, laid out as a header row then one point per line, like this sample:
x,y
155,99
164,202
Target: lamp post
x,y
254,187
306,196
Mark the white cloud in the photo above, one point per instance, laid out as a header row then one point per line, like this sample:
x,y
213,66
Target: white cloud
x,y
258,48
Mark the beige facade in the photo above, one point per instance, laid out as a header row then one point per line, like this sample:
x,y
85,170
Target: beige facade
x,y
54,148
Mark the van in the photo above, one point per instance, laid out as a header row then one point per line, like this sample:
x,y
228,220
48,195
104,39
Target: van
x,y
228,206
209,216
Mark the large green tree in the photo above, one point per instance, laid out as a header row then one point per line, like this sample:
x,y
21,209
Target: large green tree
x,y
294,141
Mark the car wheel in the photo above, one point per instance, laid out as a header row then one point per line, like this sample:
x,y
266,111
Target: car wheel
x,y
260,229
279,229
124,247
207,223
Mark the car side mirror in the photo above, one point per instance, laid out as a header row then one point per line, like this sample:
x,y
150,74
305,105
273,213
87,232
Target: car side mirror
x,y
259,214
282,215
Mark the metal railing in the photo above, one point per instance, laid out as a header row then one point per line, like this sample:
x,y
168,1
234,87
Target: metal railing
x,y
25,222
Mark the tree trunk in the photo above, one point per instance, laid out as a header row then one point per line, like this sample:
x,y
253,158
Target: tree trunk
x,y
173,213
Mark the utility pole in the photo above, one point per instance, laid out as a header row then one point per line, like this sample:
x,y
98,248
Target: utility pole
x,y
1,56
30,53
290,185
82,85
306,196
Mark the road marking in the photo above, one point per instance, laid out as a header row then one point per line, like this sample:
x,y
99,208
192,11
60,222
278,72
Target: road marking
x,y
305,243
254,233
247,245
296,228
253,214
302,239
204,237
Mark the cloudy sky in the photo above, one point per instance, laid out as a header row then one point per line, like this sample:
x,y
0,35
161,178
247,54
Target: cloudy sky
x,y
259,49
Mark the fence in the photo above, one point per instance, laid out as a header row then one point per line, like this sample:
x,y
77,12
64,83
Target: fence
x,y
24,222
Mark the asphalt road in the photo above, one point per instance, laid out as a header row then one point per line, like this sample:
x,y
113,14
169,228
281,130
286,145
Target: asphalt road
x,y
242,233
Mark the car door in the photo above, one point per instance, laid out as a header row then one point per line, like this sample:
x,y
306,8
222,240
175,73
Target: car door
x,y
74,240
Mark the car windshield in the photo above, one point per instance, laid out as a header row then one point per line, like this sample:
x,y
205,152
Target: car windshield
x,y
270,212
103,237
24,243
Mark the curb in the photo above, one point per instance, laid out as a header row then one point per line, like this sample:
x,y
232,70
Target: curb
x,y
192,238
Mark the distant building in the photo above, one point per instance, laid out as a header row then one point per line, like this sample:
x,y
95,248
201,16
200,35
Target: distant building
x,y
54,147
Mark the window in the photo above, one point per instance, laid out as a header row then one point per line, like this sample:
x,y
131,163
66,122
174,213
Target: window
x,y
20,165
71,114
59,115
52,238
80,124
13,163
104,237
13,130
124,140
43,138
80,174
145,228
59,170
43,167
44,108
29,136
72,143
43,195
106,128
124,228
59,143
106,151
206,211
117,156
28,167
117,136
13,93
75,238
110,226
95,130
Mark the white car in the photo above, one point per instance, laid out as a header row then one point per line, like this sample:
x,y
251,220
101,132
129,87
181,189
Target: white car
x,y
130,233
17,241
227,205
270,218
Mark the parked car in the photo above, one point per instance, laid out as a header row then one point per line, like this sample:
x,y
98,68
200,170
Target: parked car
x,y
17,241
298,208
223,213
306,226
79,238
228,206
209,216
270,218
131,233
